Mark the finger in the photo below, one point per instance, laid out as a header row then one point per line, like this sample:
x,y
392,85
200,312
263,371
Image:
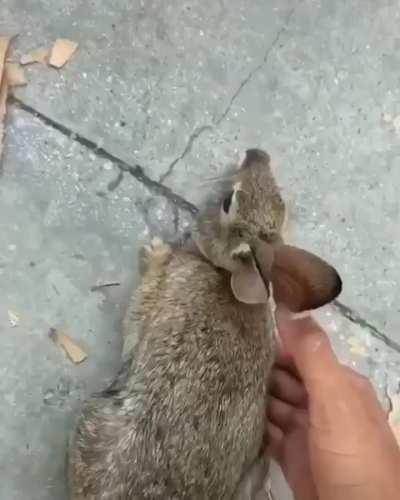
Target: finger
x,y
285,361
288,388
280,413
274,440
337,400
308,345
330,396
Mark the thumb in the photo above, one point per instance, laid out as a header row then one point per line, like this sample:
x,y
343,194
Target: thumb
x,y
316,363
308,346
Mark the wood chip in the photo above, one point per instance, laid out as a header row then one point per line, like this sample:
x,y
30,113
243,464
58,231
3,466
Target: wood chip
x,y
15,75
13,319
4,43
40,55
61,52
3,109
356,347
69,346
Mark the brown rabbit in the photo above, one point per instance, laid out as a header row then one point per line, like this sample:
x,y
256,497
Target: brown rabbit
x,y
185,417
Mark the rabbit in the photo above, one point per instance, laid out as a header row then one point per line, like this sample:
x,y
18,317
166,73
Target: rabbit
x,y
185,417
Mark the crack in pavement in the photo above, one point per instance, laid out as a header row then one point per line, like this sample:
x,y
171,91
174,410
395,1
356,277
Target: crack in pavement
x,y
258,68
355,317
137,171
193,137
199,130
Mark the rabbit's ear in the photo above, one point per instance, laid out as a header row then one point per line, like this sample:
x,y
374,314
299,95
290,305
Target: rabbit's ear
x,y
301,280
250,282
247,284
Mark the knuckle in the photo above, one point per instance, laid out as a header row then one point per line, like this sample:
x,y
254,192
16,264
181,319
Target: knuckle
x,y
299,419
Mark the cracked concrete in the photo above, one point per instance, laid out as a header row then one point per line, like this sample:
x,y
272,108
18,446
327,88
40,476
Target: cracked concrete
x,y
355,317
123,143
258,68
199,130
335,142
188,148
137,171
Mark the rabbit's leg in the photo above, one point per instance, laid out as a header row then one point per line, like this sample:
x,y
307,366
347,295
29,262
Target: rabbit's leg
x,y
155,256
153,259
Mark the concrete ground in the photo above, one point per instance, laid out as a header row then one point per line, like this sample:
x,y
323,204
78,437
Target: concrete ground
x,y
121,144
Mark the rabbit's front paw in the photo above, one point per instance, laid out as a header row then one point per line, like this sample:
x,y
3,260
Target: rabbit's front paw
x,y
156,254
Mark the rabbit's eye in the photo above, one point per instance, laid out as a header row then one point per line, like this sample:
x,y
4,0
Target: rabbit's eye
x,y
226,204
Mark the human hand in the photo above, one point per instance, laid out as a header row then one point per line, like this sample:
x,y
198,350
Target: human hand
x,y
326,427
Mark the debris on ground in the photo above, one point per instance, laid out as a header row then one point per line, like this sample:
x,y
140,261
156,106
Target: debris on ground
x,y
13,319
40,55
3,102
96,288
15,74
73,351
356,347
387,117
12,72
61,52
4,44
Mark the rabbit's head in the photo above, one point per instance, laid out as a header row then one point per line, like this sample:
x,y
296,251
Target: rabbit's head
x,y
240,231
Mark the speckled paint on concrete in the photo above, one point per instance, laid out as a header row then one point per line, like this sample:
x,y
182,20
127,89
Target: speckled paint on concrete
x,y
181,89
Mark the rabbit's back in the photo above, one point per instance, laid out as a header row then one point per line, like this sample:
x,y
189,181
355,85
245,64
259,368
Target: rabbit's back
x,y
189,418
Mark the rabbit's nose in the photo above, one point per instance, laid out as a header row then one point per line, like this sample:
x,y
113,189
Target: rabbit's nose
x,y
255,156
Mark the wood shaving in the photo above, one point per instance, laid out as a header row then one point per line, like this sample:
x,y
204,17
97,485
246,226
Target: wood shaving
x,y
4,44
75,353
356,347
13,319
387,117
15,75
3,103
61,52
40,55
